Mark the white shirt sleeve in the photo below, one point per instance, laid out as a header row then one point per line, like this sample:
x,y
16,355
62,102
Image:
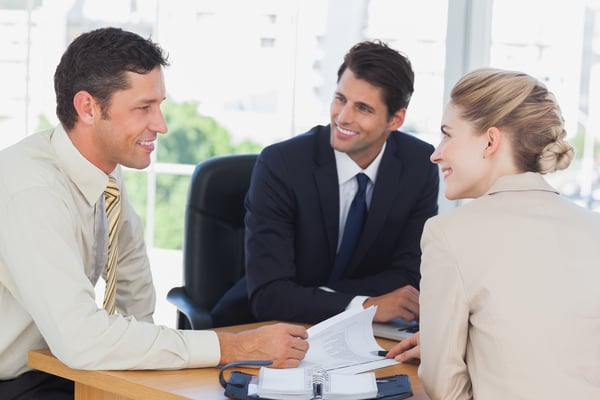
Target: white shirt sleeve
x,y
42,248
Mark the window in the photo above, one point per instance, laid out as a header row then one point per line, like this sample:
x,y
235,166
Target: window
x,y
246,74
561,49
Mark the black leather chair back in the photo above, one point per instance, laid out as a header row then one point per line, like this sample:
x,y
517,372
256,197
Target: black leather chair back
x,y
213,249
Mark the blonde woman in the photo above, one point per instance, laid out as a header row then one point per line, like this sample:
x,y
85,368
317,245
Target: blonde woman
x,y
509,304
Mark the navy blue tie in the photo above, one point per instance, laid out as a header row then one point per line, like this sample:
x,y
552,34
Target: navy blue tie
x,y
354,225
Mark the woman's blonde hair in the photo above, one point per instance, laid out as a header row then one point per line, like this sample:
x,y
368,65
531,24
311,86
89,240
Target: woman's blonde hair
x,y
524,107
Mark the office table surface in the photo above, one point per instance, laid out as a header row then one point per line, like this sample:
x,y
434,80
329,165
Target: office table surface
x,y
193,383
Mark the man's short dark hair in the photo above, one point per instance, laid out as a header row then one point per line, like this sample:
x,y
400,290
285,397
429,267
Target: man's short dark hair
x,y
97,62
384,67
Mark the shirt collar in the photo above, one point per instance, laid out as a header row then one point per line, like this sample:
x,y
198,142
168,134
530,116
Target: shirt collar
x,y
347,168
89,179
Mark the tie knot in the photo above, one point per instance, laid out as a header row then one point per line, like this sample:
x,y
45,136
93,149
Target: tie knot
x,y
111,193
362,180
112,189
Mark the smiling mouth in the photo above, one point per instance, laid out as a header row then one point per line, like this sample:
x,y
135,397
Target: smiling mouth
x,y
346,132
147,145
446,172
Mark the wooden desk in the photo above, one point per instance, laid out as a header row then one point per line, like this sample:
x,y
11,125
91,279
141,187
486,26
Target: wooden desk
x,y
197,383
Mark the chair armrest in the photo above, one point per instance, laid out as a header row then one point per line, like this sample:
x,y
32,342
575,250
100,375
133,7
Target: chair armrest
x,y
198,317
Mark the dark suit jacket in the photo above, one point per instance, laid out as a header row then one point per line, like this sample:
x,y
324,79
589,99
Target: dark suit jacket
x,y
292,222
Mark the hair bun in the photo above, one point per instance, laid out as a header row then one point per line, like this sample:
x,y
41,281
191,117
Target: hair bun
x,y
556,156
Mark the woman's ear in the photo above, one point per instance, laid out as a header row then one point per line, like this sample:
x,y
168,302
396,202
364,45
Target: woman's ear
x,y
494,138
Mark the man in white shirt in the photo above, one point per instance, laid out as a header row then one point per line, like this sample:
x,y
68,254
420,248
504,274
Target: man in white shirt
x,y
54,233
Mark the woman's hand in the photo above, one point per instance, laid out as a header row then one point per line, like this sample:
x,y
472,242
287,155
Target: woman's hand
x,y
408,349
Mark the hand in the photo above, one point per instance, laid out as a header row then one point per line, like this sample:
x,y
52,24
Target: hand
x,y
284,344
407,350
403,303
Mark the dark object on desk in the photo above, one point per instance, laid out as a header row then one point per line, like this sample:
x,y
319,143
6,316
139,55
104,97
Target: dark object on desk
x,y
213,248
237,385
396,387
396,329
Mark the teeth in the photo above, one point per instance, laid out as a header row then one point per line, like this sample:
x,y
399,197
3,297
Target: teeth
x,y
147,143
346,132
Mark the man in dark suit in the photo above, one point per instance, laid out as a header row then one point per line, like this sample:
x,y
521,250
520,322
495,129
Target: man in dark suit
x,y
301,191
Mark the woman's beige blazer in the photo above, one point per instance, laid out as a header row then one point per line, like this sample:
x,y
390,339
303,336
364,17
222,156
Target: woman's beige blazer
x,y
510,297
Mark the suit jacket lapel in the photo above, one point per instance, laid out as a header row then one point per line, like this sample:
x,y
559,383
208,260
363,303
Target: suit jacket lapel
x,y
384,194
328,188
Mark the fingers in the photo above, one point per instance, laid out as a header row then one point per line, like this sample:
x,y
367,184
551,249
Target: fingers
x,y
295,354
400,348
409,355
300,344
285,344
406,346
294,336
409,290
408,315
408,298
295,330
402,302
292,353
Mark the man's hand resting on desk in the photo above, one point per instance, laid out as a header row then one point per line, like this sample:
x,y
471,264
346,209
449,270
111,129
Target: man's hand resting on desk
x,y
403,303
406,350
284,344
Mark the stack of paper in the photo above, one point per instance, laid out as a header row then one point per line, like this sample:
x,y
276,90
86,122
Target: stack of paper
x,y
345,343
297,383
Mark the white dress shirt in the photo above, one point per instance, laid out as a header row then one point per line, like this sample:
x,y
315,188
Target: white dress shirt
x,y
347,170
53,249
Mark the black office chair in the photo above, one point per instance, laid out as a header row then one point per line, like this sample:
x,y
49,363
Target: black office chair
x,y
213,247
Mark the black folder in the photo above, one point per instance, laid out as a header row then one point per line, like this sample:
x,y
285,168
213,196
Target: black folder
x,y
394,387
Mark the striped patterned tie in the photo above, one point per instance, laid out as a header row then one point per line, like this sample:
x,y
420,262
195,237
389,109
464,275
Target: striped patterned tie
x,y
112,204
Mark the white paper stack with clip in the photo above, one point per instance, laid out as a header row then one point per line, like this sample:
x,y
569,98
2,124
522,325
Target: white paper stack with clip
x,y
297,383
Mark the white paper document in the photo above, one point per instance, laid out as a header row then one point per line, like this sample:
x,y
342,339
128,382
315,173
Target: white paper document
x,y
345,344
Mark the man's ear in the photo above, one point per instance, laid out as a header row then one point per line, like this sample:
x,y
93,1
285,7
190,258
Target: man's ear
x,y
86,106
494,138
397,119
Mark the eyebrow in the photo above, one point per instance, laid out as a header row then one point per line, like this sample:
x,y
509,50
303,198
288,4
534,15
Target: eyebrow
x,y
151,100
358,103
362,104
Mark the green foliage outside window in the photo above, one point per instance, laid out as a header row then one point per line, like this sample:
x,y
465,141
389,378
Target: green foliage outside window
x,y
192,137
169,212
